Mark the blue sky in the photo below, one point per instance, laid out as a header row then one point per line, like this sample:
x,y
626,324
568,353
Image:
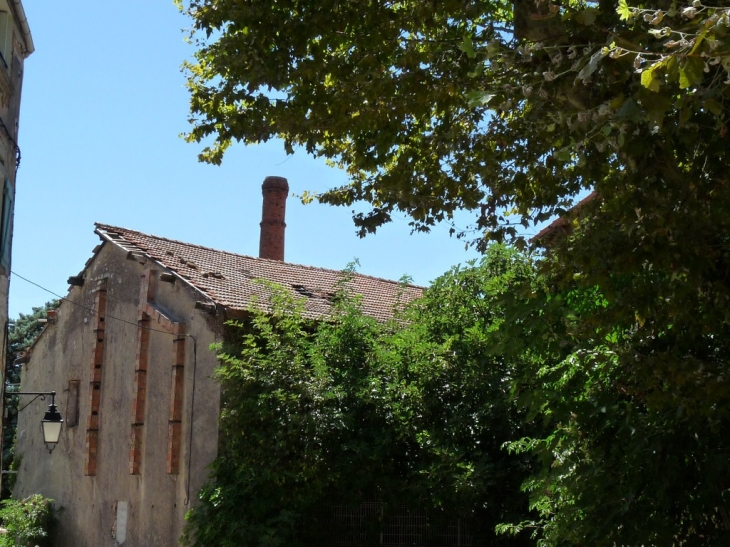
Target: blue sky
x,y
102,108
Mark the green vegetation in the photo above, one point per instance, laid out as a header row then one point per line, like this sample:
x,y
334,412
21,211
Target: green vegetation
x,y
634,450
348,409
433,107
27,522
619,355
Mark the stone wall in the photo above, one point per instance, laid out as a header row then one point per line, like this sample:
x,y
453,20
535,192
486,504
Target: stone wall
x,y
122,361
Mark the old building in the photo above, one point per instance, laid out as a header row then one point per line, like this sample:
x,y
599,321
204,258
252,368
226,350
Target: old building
x,y
128,353
16,44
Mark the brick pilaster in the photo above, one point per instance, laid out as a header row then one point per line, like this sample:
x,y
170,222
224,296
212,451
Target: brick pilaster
x,y
177,394
148,286
140,394
97,365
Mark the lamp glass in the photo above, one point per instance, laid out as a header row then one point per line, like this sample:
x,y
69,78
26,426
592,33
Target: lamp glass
x,y
51,432
51,424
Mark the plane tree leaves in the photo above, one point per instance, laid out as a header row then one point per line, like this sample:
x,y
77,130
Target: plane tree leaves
x,y
434,107
630,380
391,92
690,73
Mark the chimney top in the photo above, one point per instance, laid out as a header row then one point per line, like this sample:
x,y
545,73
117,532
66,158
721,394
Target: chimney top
x,y
271,183
271,244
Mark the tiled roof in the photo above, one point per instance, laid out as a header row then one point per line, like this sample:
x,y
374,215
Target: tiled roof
x,y
562,221
230,280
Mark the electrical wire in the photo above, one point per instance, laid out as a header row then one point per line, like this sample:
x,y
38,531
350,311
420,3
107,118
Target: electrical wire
x,y
90,308
195,366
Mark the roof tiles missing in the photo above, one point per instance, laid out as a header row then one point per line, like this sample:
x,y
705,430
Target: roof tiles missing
x,y
230,279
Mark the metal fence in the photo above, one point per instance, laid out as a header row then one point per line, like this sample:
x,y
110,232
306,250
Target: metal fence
x,y
372,524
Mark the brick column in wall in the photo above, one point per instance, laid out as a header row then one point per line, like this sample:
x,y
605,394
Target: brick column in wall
x,y
146,295
97,363
151,315
140,394
177,394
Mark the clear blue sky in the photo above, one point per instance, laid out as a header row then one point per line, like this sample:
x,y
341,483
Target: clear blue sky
x,y
103,105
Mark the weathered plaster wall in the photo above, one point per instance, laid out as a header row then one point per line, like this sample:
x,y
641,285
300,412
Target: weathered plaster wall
x,y
154,501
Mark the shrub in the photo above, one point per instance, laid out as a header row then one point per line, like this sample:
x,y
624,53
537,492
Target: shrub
x,y
27,522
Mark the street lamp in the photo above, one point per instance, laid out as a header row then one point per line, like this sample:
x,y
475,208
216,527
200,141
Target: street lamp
x,y
51,422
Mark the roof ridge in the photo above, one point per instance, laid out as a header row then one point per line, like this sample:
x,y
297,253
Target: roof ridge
x,y
120,229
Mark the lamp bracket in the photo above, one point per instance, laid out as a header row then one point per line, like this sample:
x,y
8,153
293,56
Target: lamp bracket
x,y
37,395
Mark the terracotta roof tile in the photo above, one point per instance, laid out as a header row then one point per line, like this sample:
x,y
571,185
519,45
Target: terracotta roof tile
x,y
230,280
562,221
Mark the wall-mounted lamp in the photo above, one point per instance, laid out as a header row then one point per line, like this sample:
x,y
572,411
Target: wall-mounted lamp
x,y
51,422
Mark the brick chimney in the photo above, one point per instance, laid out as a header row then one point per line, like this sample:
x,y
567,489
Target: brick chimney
x,y
271,244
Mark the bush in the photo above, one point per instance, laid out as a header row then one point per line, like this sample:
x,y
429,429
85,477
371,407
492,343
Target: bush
x,y
27,522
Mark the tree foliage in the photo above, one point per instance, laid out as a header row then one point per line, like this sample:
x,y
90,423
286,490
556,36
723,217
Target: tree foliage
x,y
27,522
511,110
432,107
630,380
335,413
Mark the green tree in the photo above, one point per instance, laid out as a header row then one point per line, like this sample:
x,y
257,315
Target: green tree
x,y
432,107
347,409
22,332
510,111
635,405
27,522
452,392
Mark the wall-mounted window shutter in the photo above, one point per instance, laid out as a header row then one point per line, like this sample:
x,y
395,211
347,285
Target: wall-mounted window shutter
x,y
6,226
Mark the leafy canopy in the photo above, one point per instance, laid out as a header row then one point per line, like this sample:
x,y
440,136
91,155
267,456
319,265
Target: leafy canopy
x,y
510,110
431,107
635,439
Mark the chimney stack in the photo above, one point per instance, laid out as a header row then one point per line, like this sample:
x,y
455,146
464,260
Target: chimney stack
x,y
271,244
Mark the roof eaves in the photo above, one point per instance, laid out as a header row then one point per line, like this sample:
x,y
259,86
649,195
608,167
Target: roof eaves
x,y
134,251
24,27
